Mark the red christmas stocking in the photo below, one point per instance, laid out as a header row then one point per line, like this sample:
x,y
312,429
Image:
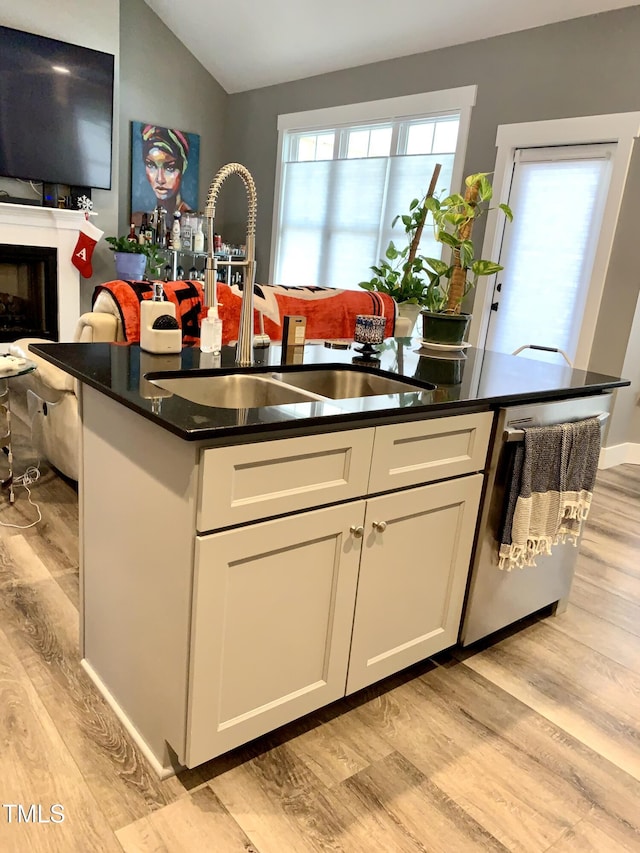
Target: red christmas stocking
x,y
87,239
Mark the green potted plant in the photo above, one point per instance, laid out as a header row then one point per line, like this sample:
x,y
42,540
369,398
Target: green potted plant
x,y
132,258
401,272
450,281
439,286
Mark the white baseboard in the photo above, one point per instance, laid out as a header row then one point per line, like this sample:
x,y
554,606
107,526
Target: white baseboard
x,y
162,771
619,454
633,454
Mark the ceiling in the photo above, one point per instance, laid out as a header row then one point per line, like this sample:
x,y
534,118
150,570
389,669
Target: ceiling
x,y
247,44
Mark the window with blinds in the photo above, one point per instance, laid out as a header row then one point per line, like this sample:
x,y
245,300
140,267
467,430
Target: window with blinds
x,y
341,187
557,197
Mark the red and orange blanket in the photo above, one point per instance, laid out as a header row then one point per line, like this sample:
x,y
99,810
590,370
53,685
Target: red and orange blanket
x,y
330,312
187,296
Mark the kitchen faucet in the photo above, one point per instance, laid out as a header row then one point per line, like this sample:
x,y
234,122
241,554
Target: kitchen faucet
x,y
244,348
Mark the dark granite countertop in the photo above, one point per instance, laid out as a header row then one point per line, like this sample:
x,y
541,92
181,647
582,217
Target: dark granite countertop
x,y
478,381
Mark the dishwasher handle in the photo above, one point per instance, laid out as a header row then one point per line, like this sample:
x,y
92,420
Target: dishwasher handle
x,y
510,435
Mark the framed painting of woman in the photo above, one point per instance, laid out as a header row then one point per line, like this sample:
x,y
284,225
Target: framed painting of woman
x,y
164,169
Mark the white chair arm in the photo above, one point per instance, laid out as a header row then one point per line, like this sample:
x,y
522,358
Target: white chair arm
x,y
95,327
48,375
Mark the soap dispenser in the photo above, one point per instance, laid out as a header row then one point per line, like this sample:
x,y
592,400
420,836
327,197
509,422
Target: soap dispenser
x,y
211,331
159,329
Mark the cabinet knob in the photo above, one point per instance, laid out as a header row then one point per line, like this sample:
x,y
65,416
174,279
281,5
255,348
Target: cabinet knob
x,y
357,530
380,526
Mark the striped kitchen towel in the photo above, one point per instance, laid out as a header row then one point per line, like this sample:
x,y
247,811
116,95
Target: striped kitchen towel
x,y
549,490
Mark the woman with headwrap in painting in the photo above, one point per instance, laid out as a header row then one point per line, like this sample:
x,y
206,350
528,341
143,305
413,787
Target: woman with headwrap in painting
x,y
166,156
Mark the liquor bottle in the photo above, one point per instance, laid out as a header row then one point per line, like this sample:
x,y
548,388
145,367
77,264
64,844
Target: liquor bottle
x,y
142,233
149,230
186,231
198,238
161,227
175,231
133,237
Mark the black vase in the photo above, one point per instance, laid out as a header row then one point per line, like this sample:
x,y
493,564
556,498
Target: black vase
x,y
448,329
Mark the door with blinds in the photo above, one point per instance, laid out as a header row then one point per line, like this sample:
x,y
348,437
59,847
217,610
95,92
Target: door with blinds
x,y
558,197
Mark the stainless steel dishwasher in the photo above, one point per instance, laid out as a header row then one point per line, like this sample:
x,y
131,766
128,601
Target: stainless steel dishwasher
x,y
498,598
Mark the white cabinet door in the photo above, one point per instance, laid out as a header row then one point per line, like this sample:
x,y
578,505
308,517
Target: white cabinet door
x,y
413,575
272,619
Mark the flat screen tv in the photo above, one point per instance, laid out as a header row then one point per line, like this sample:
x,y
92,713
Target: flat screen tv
x,y
56,111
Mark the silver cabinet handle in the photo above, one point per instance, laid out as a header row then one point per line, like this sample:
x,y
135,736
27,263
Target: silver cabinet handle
x,y
380,526
357,530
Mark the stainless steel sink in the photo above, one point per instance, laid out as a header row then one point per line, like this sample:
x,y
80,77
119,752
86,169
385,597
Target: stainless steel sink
x,y
232,391
343,384
278,388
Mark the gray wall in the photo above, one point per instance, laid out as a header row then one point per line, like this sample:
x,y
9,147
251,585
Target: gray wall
x,y
586,66
617,334
161,82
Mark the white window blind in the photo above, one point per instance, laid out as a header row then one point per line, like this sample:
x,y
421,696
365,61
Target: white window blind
x,y
557,197
342,187
408,179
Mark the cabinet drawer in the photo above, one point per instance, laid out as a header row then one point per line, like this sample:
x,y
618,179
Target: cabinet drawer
x,y
422,451
252,481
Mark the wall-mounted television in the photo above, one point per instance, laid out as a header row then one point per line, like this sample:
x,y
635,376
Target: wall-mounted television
x,y
56,111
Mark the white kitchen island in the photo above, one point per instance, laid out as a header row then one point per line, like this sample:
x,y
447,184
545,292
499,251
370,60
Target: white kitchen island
x,y
241,569
237,588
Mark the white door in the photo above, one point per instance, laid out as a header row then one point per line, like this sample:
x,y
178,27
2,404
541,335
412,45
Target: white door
x,y
558,197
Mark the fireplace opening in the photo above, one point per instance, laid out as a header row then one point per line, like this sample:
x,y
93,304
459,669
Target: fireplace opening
x,y
28,293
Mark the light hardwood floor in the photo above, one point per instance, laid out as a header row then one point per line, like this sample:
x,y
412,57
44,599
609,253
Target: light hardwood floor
x,y
530,743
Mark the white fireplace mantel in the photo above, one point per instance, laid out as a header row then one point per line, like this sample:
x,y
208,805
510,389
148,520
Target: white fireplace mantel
x,y
26,225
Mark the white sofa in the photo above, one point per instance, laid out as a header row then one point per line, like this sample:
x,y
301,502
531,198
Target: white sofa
x,y
47,400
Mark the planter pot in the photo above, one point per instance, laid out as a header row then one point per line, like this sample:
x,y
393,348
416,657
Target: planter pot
x,y
409,312
130,266
444,328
